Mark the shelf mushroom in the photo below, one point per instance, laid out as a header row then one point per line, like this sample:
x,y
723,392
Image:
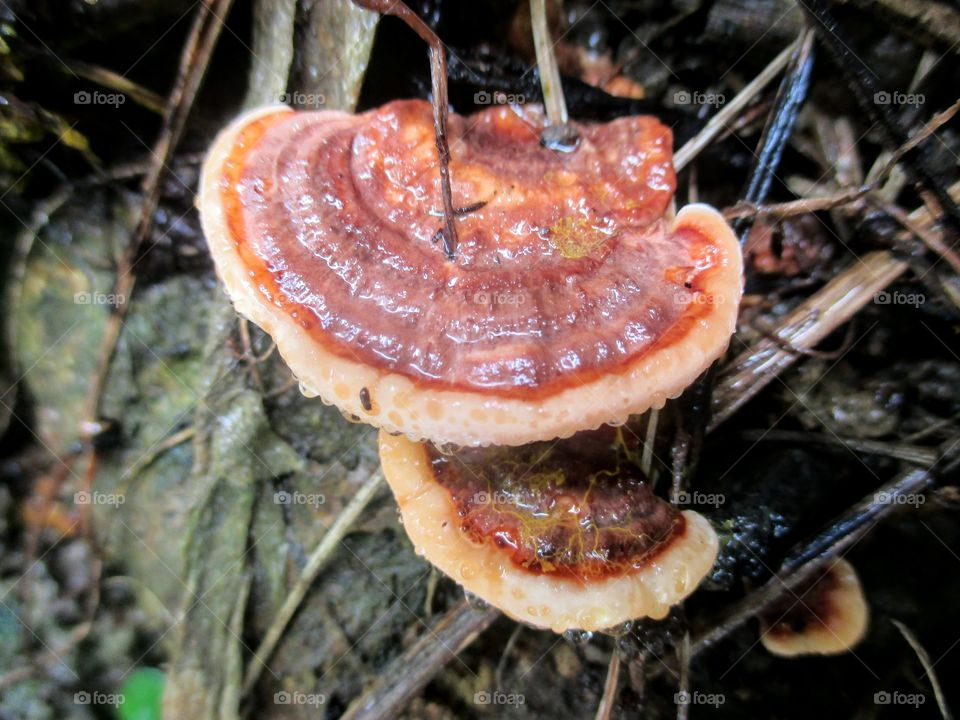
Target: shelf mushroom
x,y
561,535
574,299
829,618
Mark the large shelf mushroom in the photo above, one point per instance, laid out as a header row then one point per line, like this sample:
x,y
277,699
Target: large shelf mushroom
x,y
574,299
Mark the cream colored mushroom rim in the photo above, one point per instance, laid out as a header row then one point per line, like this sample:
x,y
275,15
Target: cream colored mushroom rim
x,y
396,403
840,631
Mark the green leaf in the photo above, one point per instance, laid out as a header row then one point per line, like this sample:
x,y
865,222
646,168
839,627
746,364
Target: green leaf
x,y
142,694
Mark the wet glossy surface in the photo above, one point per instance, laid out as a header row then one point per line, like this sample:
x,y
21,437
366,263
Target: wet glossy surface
x,y
818,608
578,507
564,270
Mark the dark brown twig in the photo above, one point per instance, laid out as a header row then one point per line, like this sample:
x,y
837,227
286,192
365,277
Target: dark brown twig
x,y
193,65
440,103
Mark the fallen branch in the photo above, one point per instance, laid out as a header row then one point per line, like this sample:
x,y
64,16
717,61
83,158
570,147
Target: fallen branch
x,y
408,674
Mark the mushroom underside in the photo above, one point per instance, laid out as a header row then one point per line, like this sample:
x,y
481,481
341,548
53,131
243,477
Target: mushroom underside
x,y
550,544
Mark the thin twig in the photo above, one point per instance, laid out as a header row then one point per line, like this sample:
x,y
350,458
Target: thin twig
x,y
718,122
193,65
683,688
924,457
609,698
559,134
864,86
779,126
110,79
927,236
505,654
924,658
132,472
804,328
321,553
875,180
646,458
440,103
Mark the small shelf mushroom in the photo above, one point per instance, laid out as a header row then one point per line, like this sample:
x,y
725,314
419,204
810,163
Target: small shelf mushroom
x,y
574,298
562,535
829,618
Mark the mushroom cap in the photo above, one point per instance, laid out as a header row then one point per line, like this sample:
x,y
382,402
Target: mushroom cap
x,y
574,298
830,618
540,571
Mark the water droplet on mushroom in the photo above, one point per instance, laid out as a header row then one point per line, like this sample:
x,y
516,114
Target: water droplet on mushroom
x,y
578,637
448,449
619,630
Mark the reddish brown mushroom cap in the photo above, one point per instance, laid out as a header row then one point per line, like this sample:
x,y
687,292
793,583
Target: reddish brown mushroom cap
x,y
563,535
830,616
574,298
